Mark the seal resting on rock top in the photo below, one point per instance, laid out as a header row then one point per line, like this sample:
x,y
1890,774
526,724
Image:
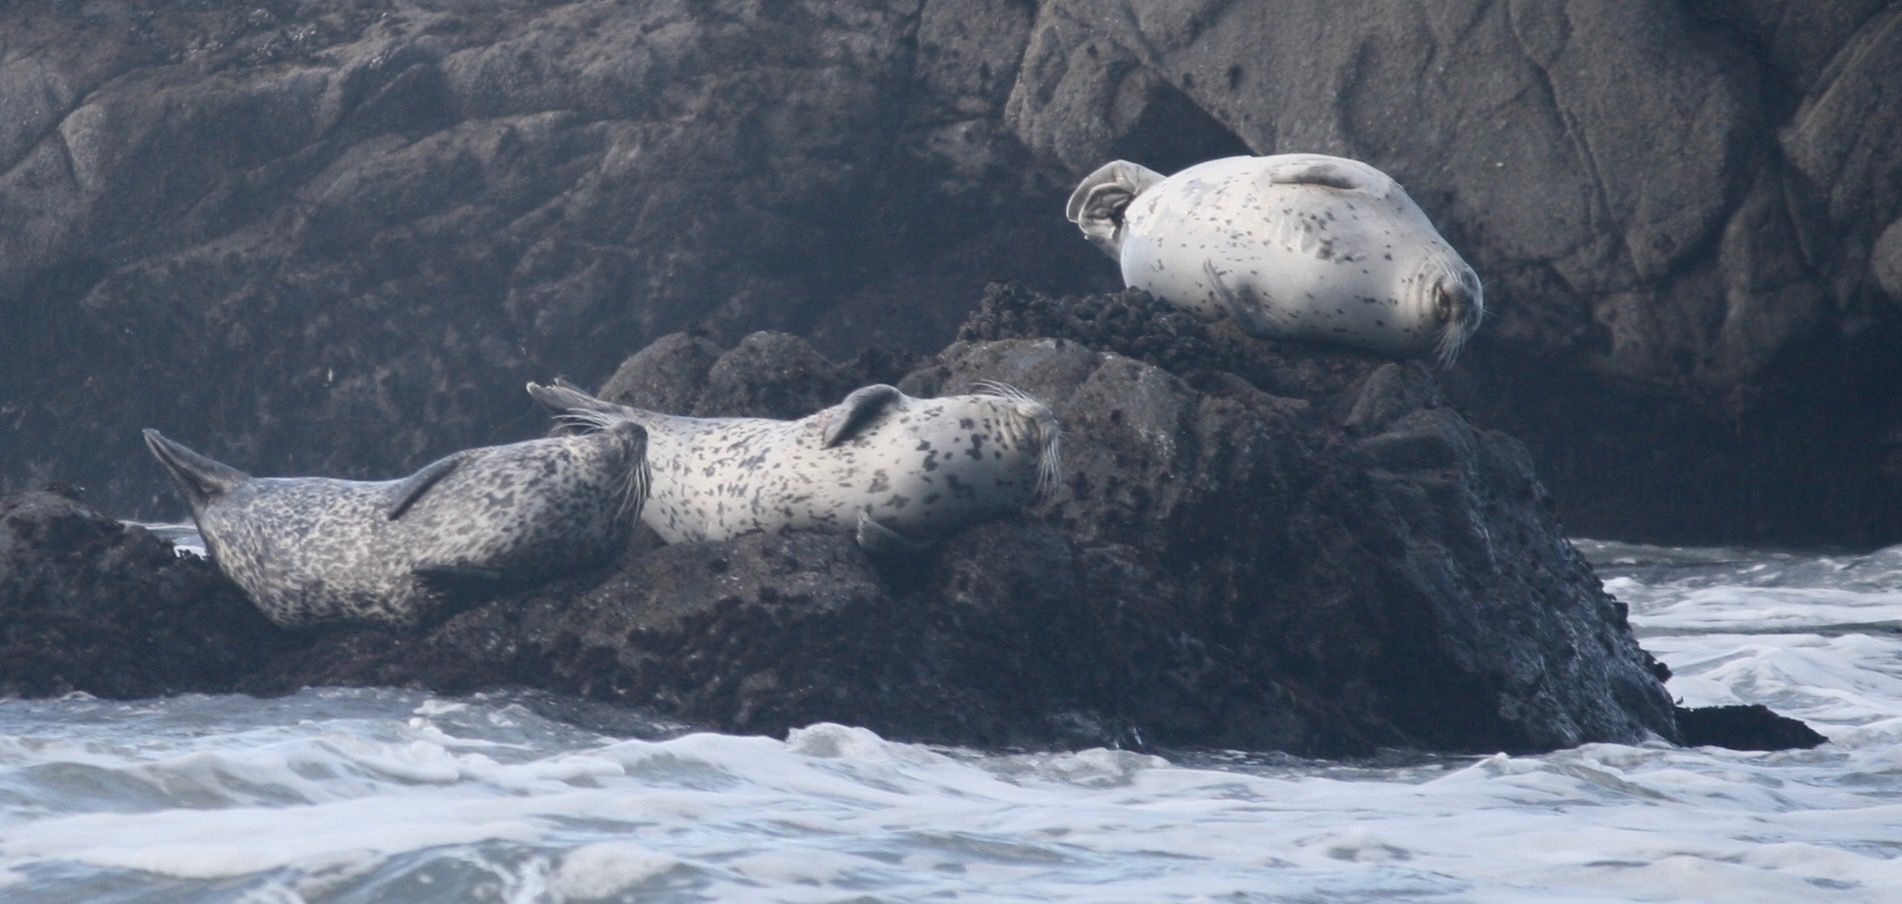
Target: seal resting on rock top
x,y
897,471
314,549
1293,246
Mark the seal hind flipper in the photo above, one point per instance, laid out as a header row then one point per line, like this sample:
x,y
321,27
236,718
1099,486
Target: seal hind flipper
x,y
879,540
858,410
1097,204
577,409
414,486
199,479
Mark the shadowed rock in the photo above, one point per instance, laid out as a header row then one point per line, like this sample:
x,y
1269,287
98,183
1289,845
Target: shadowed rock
x,y
89,604
1252,546
1752,727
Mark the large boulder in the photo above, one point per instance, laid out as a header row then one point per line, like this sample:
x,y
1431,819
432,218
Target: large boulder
x,y
89,604
338,237
1253,546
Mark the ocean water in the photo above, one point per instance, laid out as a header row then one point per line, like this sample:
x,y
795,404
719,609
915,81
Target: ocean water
x,y
391,795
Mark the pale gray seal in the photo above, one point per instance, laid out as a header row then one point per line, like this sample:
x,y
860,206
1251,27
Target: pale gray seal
x,y
315,549
1298,246
898,471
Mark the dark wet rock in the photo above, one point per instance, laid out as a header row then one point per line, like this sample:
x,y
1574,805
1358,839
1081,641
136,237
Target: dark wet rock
x,y
766,374
1338,565
668,375
89,604
1345,533
1253,546
1752,727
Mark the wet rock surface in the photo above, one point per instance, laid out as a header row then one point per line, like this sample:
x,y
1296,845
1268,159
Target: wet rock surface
x,y
89,604
1752,727
1253,546
337,237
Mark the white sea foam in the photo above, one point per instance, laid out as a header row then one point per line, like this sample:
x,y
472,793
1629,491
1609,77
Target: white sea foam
x,y
184,536
375,795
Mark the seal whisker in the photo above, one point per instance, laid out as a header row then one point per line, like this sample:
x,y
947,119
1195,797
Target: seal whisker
x,y
1050,464
1000,390
1451,340
635,496
587,421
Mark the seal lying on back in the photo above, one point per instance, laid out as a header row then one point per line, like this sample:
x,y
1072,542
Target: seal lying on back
x,y
313,549
1296,246
898,471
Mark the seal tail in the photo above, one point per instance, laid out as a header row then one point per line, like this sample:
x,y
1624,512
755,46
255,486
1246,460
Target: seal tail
x,y
581,411
199,479
1097,205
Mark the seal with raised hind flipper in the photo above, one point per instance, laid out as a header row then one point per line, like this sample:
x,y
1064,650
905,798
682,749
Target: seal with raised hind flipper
x,y
898,472
308,550
1295,246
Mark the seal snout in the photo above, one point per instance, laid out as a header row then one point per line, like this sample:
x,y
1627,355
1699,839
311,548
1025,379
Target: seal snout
x,y
1457,305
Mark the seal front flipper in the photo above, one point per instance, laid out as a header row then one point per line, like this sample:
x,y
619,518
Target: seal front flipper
x,y
880,540
1327,173
414,486
1245,315
1097,205
199,479
859,409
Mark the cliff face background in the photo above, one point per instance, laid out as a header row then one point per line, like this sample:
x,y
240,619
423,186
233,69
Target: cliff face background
x,y
337,237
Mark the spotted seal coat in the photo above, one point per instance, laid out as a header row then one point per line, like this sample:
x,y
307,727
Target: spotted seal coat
x,y
315,549
1298,246
895,470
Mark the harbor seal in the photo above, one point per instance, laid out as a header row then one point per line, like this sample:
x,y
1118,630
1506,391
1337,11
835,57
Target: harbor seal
x,y
1296,246
895,470
314,549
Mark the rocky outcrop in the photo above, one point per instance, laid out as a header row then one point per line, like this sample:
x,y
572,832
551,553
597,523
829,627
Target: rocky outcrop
x,y
89,604
336,238
1753,727
1253,546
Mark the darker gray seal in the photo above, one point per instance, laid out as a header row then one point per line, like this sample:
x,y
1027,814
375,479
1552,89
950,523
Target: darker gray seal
x,y
315,549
